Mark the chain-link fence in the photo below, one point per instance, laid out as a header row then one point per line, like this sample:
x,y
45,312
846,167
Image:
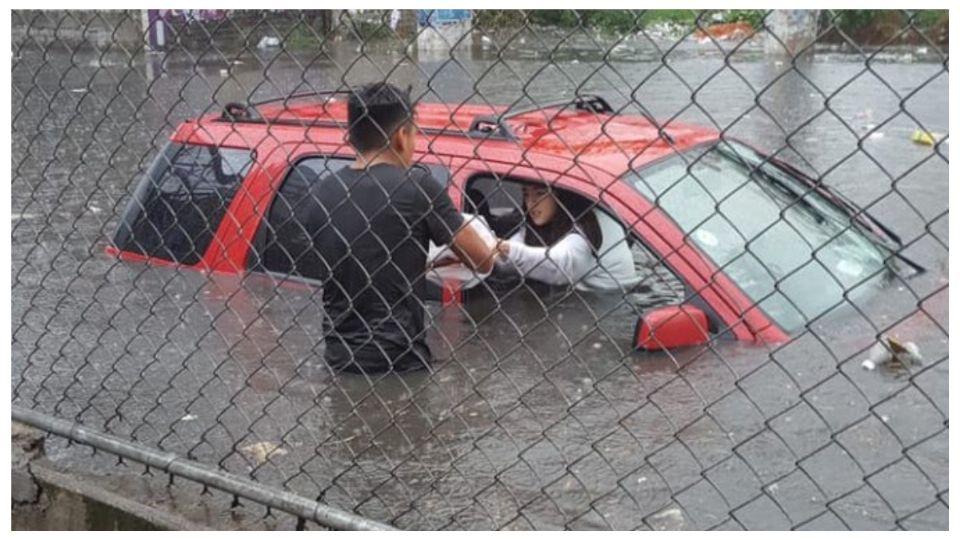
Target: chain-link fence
x,y
780,175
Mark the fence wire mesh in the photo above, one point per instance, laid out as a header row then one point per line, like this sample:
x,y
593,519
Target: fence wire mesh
x,y
824,248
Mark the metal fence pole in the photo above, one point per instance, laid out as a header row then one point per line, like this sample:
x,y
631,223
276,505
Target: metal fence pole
x,y
177,465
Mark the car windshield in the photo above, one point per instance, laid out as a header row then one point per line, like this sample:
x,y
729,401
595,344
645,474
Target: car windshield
x,y
787,247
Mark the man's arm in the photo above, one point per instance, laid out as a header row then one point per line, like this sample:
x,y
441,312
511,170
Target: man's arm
x,y
448,227
473,249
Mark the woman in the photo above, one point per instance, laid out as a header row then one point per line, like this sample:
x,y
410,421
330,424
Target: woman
x,y
563,241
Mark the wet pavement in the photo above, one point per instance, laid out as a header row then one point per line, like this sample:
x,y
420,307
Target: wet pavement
x,y
538,414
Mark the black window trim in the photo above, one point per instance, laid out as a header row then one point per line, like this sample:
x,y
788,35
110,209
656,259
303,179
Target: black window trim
x,y
165,156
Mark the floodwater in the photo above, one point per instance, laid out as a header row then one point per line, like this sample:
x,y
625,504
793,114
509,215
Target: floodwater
x,y
538,414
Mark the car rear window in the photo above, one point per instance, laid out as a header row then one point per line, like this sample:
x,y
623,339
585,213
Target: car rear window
x,y
179,204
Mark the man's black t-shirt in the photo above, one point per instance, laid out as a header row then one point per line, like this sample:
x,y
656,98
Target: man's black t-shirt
x,y
370,230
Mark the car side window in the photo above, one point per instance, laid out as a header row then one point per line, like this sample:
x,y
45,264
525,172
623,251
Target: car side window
x,y
498,200
177,208
489,193
658,285
277,256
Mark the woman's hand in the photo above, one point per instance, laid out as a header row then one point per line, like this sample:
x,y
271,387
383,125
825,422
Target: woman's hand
x,y
503,249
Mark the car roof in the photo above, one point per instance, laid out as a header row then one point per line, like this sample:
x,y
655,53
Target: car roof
x,y
614,143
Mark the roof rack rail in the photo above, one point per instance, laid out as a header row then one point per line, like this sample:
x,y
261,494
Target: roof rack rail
x,y
586,102
481,127
301,95
239,112
486,125
247,112
496,126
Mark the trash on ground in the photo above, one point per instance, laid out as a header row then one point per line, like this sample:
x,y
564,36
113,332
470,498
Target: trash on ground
x,y
924,137
267,42
262,451
891,352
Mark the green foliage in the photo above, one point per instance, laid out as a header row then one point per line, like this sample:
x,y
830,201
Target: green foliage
x,y
624,21
563,18
614,21
752,16
498,18
370,30
302,37
874,24
617,21
677,16
853,19
930,17
610,20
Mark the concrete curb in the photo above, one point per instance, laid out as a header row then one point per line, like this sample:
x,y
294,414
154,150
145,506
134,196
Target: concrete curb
x,y
44,498
74,504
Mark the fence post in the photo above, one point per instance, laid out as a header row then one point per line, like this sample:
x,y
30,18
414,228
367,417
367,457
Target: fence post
x,y
154,29
790,31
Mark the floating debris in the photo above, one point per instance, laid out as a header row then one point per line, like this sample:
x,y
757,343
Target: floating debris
x,y
669,519
924,137
188,418
889,351
262,451
267,42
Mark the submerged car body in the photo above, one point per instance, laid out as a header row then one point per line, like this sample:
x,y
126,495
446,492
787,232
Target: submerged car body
x,y
760,248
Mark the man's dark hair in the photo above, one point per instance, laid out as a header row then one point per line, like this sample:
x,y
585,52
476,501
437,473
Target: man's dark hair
x,y
374,112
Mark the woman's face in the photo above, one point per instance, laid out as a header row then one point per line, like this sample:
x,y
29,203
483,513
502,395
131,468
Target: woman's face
x,y
541,205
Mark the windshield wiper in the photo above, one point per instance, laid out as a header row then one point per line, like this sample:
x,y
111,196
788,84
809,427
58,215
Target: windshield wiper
x,y
843,201
846,207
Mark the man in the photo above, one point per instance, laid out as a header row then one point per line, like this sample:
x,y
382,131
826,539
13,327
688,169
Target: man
x,y
371,224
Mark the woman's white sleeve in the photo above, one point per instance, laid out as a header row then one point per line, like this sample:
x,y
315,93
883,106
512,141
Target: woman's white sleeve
x,y
564,262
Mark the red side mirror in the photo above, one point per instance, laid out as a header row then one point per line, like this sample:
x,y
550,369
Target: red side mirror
x,y
670,327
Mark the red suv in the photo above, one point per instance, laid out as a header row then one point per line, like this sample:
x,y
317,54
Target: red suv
x,y
759,248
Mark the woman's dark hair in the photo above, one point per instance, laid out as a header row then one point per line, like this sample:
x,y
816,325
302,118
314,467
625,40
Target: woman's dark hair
x,y
572,209
374,112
